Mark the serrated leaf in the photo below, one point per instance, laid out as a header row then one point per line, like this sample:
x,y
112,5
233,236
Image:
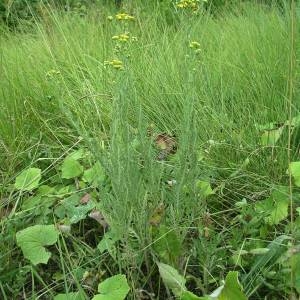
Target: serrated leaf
x,y
28,179
71,168
95,175
33,239
172,279
294,168
113,288
230,290
70,296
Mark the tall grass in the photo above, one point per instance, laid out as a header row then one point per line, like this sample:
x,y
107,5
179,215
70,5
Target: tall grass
x,y
56,90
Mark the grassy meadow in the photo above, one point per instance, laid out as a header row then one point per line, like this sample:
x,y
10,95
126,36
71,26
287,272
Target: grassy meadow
x,y
155,141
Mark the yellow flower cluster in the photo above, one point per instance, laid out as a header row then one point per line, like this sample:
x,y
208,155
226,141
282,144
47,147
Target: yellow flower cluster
x,y
124,16
124,37
115,63
195,45
193,4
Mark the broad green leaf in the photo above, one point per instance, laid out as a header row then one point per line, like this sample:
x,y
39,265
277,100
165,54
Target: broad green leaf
x,y
270,134
295,172
45,190
295,264
295,121
76,155
172,279
113,288
204,188
270,138
95,175
72,209
70,296
167,244
274,208
108,243
28,179
38,204
80,212
230,290
33,239
71,168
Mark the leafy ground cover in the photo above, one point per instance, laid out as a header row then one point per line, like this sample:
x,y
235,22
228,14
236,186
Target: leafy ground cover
x,y
151,151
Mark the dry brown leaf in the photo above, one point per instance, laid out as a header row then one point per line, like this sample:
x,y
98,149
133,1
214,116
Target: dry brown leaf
x,y
85,199
157,215
98,216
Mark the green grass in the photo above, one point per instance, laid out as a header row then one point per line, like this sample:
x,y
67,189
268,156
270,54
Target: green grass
x,y
211,101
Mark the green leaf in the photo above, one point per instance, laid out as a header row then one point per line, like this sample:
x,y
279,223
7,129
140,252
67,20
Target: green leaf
x,y
72,209
108,243
28,179
95,175
172,279
295,264
275,208
71,168
76,155
270,134
33,239
186,295
295,121
70,296
230,290
113,288
167,244
204,188
294,168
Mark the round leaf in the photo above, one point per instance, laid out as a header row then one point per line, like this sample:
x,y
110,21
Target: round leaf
x,y
33,239
71,168
28,179
113,288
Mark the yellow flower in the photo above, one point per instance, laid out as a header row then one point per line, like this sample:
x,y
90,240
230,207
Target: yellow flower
x,y
124,16
194,45
193,4
110,18
124,37
115,63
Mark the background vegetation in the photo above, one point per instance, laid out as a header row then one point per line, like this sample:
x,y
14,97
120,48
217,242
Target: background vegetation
x,y
150,132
